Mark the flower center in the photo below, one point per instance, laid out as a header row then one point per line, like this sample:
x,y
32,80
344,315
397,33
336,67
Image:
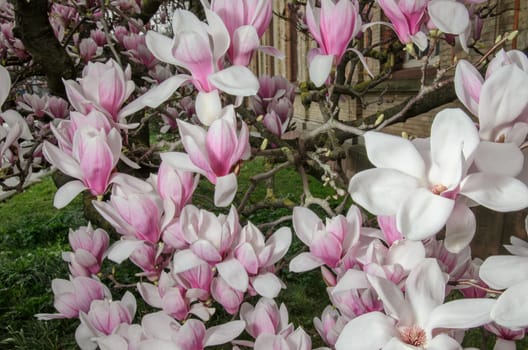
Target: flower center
x,y
414,336
438,189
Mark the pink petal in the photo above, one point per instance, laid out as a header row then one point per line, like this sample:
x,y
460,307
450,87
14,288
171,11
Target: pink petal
x,y
245,42
305,222
268,285
304,262
468,83
224,333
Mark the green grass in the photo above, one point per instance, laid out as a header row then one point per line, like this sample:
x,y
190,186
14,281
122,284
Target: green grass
x,y
32,235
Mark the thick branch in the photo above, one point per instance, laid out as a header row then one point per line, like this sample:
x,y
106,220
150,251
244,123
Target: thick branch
x,y
35,31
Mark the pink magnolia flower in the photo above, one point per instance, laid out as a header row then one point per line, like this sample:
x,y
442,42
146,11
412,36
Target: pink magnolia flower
x,y
355,300
259,256
92,161
74,296
199,48
227,296
174,299
331,244
211,240
407,18
198,278
88,49
103,319
98,36
103,86
88,247
34,103
296,340
176,185
137,212
65,131
424,183
163,332
332,27
505,85
330,325
264,318
215,153
57,107
274,101
246,21
150,258
411,318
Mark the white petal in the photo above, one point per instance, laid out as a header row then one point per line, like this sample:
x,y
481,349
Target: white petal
x,y
233,272
67,192
499,158
394,152
208,107
161,47
155,96
225,190
381,191
511,309
5,84
503,271
305,222
394,303
367,332
460,228
268,285
461,314
352,279
235,80
185,260
320,68
449,16
425,289
496,192
224,333
121,250
422,214
304,262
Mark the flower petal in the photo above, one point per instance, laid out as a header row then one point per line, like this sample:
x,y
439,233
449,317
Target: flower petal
x,y
236,81
67,192
512,307
320,68
496,192
369,331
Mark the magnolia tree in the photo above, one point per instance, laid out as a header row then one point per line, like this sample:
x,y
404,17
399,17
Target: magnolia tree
x,y
184,66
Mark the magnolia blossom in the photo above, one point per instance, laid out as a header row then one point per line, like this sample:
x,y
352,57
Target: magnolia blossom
x,y
274,101
332,244
103,319
88,246
265,317
163,332
215,153
286,340
199,48
246,21
137,212
174,299
501,100
330,325
407,18
426,183
211,240
74,296
92,161
411,317
259,257
333,27
103,86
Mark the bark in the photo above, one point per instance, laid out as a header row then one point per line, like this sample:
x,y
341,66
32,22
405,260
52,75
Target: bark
x,y
35,31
